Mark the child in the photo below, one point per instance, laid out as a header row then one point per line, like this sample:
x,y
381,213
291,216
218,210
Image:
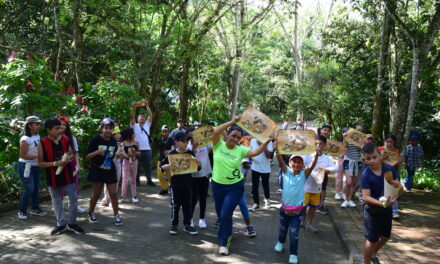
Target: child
x,y
413,160
390,140
377,213
294,179
50,154
101,151
28,169
165,145
180,188
130,152
312,188
118,165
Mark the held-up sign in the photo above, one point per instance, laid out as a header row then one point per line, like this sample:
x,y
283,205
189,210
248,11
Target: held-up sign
x,y
391,189
203,136
356,138
334,148
182,163
301,142
257,124
390,157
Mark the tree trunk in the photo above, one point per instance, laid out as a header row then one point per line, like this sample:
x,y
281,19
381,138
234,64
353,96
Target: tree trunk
x,y
56,12
184,88
377,126
296,49
235,85
77,42
394,95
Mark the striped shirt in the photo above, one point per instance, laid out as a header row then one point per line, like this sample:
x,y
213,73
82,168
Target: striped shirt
x,y
353,152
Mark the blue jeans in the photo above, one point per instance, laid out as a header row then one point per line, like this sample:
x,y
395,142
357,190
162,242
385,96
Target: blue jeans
x,y
31,187
409,179
289,223
244,207
226,198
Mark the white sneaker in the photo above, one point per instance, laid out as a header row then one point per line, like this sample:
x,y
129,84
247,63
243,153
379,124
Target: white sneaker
x,y
224,251
121,200
343,196
344,204
266,204
280,191
338,196
351,204
80,210
135,200
22,216
192,223
202,223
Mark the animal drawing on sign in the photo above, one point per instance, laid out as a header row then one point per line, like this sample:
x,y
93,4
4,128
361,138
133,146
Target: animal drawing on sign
x,y
205,137
332,148
297,143
182,164
257,125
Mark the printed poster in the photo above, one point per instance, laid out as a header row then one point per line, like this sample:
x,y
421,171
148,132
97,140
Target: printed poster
x,y
334,148
356,138
390,189
183,163
203,136
257,124
390,157
300,142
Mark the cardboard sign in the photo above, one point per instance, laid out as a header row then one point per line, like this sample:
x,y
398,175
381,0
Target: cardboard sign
x,y
356,138
318,175
203,136
390,157
390,189
140,103
334,148
183,163
301,142
257,124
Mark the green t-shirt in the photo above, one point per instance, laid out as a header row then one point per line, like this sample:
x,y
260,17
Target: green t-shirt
x,y
227,163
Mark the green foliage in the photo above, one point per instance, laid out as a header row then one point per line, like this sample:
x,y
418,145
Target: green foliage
x,y
10,184
427,178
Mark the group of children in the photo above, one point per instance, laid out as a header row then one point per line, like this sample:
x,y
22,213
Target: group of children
x,y
113,153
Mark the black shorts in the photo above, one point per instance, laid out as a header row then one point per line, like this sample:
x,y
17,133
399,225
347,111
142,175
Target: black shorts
x,y
378,225
324,182
100,175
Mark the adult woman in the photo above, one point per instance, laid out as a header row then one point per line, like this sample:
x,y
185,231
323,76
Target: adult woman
x,y
227,178
28,168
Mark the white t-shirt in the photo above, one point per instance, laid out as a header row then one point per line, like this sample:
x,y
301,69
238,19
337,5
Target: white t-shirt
x,y
141,136
32,143
260,163
203,156
324,162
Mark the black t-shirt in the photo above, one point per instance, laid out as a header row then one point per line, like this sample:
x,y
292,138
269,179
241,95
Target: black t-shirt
x,y
164,145
102,165
180,181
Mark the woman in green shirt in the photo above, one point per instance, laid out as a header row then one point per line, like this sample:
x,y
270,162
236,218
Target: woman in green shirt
x,y
227,178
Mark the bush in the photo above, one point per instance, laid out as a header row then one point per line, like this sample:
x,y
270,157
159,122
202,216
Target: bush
x,y
427,178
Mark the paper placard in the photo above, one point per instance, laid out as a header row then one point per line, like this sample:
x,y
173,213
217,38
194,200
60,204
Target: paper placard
x,y
301,142
319,176
390,157
356,137
257,124
183,163
203,136
334,148
390,190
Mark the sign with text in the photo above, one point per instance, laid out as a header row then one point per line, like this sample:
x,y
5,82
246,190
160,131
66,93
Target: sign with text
x,y
301,142
257,124
182,163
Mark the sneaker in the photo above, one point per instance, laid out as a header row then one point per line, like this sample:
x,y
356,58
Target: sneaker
x,y
224,251
121,200
163,192
351,204
192,223
202,223
396,215
280,191
38,212
344,204
58,230
311,229
323,210
118,220
75,228
151,183
343,196
135,199
293,259
92,218
375,260
173,230
191,230
266,204
254,208
279,247
80,210
338,196
250,231
22,215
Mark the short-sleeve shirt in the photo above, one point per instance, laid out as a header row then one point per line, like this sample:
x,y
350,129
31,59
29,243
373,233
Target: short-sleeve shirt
x,y
32,143
323,162
353,152
141,136
261,163
203,156
227,163
375,183
180,181
293,188
413,156
102,167
164,145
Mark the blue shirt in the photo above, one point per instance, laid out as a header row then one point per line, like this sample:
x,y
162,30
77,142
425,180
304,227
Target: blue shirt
x,y
413,156
374,182
293,188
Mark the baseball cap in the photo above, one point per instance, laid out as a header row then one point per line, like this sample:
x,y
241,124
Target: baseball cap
x,y
296,156
33,119
180,121
415,137
165,127
180,136
116,130
107,121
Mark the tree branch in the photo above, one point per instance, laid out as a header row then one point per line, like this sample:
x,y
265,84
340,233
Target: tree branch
x,y
42,54
392,12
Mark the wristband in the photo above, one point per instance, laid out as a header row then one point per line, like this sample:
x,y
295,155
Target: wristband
x,y
384,204
54,163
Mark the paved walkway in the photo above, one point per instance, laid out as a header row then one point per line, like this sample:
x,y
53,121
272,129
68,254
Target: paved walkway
x,y
144,237
415,236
